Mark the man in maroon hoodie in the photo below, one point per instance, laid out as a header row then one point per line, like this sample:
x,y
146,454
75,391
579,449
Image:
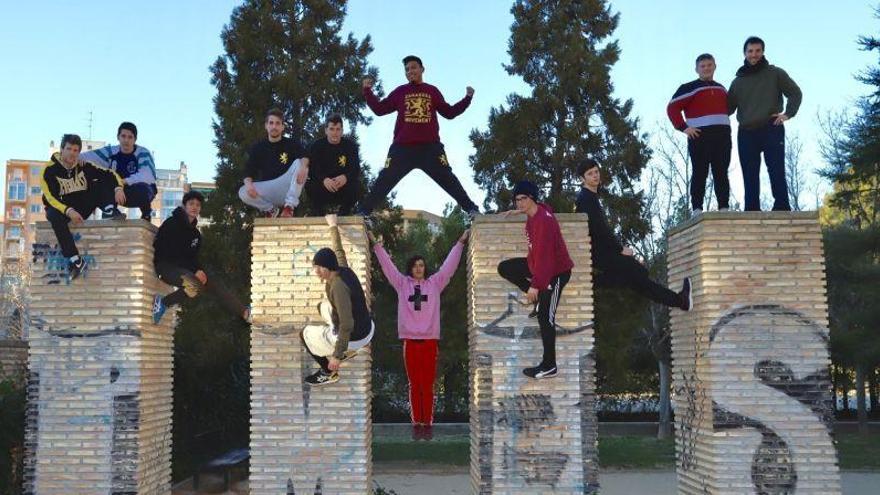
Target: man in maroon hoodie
x,y
416,136
543,274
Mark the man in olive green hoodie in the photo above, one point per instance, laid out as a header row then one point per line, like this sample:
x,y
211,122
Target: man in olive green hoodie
x,y
756,97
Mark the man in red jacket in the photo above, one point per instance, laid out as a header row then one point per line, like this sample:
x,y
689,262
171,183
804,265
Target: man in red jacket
x,y
416,136
543,274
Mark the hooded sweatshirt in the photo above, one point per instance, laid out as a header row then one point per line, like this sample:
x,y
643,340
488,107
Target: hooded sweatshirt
x,y
65,188
548,254
418,302
604,245
178,241
756,94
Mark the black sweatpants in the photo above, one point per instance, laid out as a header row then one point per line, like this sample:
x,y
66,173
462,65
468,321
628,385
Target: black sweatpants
x,y
189,286
322,199
431,159
516,271
141,196
710,150
625,271
100,194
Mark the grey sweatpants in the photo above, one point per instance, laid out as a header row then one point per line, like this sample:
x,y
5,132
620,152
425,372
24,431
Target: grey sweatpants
x,y
277,192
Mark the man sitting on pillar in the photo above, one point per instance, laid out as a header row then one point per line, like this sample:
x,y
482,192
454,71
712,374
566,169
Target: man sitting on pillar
x,y
176,259
542,275
349,325
334,170
275,172
72,190
614,264
134,164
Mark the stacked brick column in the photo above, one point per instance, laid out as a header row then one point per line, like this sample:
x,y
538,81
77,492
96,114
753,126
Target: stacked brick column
x,y
100,372
529,436
304,439
750,362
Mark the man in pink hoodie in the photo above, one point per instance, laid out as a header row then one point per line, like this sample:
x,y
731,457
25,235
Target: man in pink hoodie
x,y
418,325
543,273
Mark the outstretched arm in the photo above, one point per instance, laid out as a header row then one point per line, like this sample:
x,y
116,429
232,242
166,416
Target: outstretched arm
x,y
336,240
447,269
452,111
379,107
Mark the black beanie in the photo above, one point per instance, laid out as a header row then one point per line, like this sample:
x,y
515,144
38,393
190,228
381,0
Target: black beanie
x,y
526,187
327,258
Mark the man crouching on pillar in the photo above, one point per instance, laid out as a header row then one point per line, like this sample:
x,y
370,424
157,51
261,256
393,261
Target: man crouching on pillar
x,y
349,325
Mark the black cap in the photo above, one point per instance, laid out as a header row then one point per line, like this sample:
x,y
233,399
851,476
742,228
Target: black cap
x,y
526,187
326,258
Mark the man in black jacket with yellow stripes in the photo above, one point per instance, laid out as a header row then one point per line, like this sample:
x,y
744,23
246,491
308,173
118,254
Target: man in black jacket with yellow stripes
x,y
72,190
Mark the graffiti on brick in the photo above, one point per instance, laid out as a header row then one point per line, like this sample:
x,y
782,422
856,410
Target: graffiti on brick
x,y
525,417
56,264
514,323
107,382
525,412
767,343
535,466
689,421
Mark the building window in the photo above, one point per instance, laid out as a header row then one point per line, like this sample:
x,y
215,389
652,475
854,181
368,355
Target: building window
x,y
13,232
17,190
36,190
36,208
16,213
36,170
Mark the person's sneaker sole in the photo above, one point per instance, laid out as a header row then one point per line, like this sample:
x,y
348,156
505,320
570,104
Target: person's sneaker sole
x,y
326,382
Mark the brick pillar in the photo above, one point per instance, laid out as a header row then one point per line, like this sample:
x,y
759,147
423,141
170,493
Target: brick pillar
x,y
529,436
750,362
303,439
100,372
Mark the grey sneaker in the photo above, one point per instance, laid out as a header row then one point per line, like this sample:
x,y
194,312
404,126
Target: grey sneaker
x,y
322,377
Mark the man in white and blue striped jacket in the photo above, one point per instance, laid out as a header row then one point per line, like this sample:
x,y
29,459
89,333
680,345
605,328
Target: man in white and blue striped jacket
x,y
131,162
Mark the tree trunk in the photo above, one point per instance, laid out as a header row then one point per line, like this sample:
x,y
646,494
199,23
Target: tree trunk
x,y
844,383
664,427
835,389
874,389
862,412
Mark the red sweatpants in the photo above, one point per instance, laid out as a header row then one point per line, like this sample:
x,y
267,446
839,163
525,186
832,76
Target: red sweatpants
x,y
420,359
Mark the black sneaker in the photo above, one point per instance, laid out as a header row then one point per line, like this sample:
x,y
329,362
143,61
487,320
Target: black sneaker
x,y
322,377
534,312
687,298
540,371
473,213
77,268
113,214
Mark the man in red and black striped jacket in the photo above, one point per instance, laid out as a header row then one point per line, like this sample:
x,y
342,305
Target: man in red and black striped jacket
x,y
707,125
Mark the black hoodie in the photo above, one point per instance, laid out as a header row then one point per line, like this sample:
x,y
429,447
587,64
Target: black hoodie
x,y
178,241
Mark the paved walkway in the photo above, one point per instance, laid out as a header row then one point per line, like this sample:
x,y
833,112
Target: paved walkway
x,y
411,482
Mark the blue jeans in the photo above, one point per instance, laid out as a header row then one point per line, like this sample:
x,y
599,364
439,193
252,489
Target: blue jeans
x,y
770,140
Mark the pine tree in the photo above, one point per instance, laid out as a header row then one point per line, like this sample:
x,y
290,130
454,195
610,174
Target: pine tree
x,y
288,54
564,51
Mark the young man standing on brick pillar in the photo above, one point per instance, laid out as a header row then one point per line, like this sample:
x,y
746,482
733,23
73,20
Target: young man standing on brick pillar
x,y
613,264
418,325
756,97
416,136
134,164
349,324
72,190
334,170
704,103
542,275
176,258
276,170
